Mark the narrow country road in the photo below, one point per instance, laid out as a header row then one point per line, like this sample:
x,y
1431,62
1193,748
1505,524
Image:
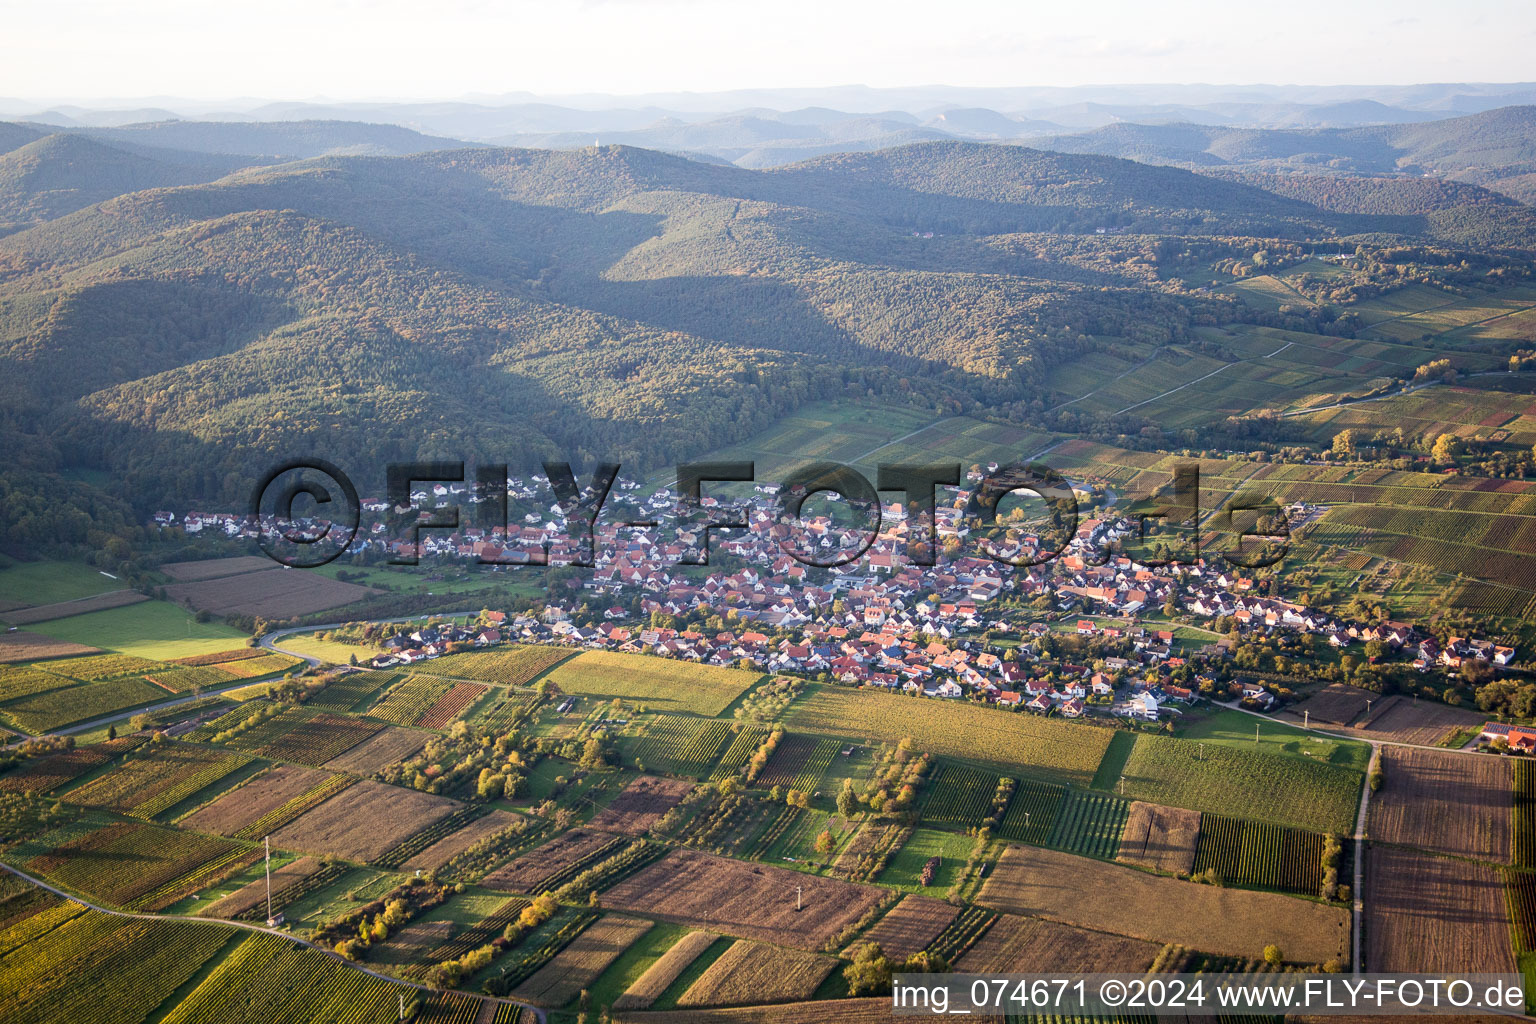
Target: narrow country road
x,y
219,922
1358,892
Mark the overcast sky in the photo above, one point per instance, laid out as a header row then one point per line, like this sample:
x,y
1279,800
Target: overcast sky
x,y
400,49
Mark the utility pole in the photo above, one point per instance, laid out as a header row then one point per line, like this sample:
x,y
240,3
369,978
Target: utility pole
x,y
1306,719
798,893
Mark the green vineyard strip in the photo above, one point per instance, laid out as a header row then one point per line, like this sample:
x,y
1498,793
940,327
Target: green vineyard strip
x,y
958,796
1089,824
1033,812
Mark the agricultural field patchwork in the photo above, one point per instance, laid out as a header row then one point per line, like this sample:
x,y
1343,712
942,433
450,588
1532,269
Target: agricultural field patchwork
x,y
661,684
680,745
910,926
156,778
1262,786
1252,853
385,747
1089,823
119,971
263,799
363,821
1027,945
1429,913
748,900
512,666
1160,838
667,968
1055,750
1459,804
753,972
798,762
1237,922
308,737
958,796
138,866
578,965
269,592
641,804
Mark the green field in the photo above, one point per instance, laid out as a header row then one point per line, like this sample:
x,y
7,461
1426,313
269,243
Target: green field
x,y
1277,788
905,869
1236,729
150,629
34,583
659,683
1001,740
333,651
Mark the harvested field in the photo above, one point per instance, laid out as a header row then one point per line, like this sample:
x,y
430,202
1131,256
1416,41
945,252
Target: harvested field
x,y
378,751
1238,922
1337,704
910,926
64,609
455,843
1461,804
524,873
829,1011
750,900
641,804
265,793
1426,913
1161,838
754,972
1397,719
1028,945
576,966
363,821
24,646
411,944
274,592
660,975
248,896
450,705
213,568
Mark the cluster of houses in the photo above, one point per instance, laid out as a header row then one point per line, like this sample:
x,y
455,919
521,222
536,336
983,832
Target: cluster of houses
x,y
879,620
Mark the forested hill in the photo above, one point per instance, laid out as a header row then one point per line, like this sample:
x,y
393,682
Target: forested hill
x,y
1485,148
174,338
